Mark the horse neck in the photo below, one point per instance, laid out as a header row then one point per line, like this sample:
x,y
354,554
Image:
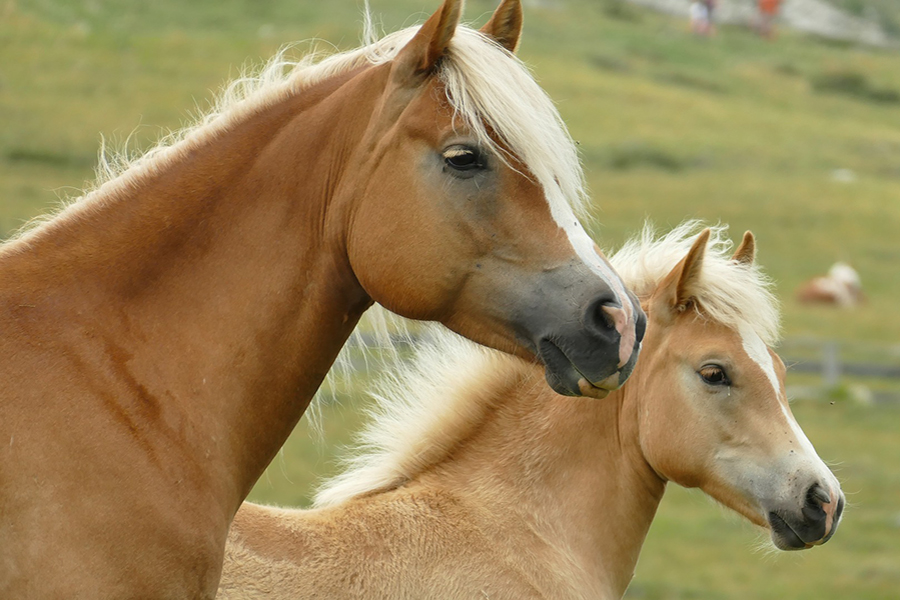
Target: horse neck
x,y
216,276
566,476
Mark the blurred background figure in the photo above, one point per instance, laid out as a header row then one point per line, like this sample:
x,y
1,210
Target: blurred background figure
x,y
768,11
700,23
710,15
840,287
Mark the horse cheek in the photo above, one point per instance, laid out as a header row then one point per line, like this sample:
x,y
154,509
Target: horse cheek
x,y
402,263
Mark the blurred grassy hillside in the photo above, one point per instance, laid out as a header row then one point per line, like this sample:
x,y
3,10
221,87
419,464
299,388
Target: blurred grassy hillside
x,y
798,140
884,12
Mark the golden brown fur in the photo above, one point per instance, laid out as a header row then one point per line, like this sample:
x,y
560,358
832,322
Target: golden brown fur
x,y
162,335
542,496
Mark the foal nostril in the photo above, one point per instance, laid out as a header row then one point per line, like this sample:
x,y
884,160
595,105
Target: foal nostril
x,y
835,518
818,493
816,497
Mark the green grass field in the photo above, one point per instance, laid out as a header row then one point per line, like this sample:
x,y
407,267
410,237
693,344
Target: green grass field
x,y
731,129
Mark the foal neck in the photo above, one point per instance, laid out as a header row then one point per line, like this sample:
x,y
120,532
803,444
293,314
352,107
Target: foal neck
x,y
568,475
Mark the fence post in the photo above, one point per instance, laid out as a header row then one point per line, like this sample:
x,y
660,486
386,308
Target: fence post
x,y
831,364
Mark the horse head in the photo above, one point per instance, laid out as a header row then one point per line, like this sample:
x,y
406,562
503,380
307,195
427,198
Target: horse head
x,y
720,419
461,199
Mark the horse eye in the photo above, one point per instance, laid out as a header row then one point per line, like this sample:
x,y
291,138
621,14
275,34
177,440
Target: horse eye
x,y
714,375
463,158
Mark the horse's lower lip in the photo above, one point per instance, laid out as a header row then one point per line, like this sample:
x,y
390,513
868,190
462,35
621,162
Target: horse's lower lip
x,y
590,390
784,536
565,378
601,389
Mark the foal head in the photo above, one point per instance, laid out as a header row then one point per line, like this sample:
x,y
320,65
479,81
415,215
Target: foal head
x,y
461,207
714,413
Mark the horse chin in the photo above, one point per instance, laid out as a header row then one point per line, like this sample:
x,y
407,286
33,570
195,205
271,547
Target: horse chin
x,y
611,383
590,390
783,535
564,377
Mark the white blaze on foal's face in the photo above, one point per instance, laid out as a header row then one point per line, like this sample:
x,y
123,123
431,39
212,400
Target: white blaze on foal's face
x,y
798,493
759,353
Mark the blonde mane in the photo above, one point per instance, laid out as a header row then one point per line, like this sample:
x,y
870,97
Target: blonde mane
x,y
489,89
428,405
731,293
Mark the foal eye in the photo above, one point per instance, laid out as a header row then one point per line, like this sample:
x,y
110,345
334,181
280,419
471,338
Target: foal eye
x,y
714,375
463,158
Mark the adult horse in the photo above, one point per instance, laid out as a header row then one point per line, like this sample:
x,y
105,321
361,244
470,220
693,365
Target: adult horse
x,y
502,489
162,335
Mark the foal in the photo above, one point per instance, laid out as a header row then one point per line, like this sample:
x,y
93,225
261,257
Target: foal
x,y
504,489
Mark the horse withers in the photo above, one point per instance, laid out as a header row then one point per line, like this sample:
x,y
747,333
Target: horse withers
x,y
502,489
162,335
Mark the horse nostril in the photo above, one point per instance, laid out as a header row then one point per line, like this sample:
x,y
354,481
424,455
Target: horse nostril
x,y
602,314
836,519
816,496
817,492
640,327
603,318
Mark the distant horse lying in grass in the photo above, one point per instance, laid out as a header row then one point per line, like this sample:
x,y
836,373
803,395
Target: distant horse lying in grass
x,y
840,287
478,481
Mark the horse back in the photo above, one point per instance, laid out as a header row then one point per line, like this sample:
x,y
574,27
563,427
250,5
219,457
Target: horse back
x,y
415,543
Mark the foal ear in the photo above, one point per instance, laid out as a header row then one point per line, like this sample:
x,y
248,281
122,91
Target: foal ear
x,y
677,290
505,26
746,252
421,54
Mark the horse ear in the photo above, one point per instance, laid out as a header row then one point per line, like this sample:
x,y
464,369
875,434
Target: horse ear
x,y
676,291
746,252
421,54
505,25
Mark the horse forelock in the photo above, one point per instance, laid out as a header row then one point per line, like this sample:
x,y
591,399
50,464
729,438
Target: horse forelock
x,y
734,294
493,90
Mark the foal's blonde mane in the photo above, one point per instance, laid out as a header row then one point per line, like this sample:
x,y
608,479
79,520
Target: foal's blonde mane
x,y
428,405
488,88
731,293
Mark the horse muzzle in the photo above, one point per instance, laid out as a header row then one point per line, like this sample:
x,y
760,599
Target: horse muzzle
x,y
812,525
597,353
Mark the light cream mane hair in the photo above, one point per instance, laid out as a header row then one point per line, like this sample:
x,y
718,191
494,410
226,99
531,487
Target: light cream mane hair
x,y
428,405
732,294
488,88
